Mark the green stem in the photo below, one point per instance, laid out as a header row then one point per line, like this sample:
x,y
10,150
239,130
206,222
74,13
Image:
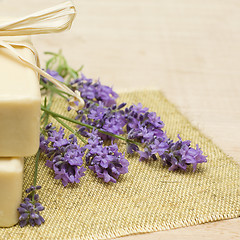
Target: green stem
x,y
51,53
35,172
54,89
45,104
36,168
70,129
88,126
61,66
48,107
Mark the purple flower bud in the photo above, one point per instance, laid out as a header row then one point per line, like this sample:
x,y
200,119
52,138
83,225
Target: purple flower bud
x,y
49,127
36,197
31,222
131,148
23,223
30,208
114,106
38,221
141,117
27,200
53,74
23,216
22,210
40,208
41,218
33,215
122,105
32,188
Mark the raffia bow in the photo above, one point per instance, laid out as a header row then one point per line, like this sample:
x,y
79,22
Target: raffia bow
x,y
50,20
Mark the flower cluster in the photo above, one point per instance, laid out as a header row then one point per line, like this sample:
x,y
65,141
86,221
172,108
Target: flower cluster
x,y
145,127
179,154
30,208
110,119
94,91
105,161
64,155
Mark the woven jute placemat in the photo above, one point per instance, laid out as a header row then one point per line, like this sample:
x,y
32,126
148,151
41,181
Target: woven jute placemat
x,y
148,198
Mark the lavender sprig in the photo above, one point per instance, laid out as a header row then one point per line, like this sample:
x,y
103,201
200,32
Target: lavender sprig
x,y
179,154
64,155
30,207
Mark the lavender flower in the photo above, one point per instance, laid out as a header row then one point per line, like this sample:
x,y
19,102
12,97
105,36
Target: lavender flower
x,y
110,119
64,155
94,91
53,74
57,138
156,146
180,154
30,208
144,126
105,161
131,148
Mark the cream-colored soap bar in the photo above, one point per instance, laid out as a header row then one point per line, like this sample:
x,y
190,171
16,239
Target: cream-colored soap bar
x,y
11,179
19,103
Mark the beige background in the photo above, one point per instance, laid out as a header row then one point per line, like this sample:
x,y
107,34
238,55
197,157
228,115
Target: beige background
x,y
188,49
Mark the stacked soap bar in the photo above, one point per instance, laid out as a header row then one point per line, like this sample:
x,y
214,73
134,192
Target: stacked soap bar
x,y
11,178
20,101
19,104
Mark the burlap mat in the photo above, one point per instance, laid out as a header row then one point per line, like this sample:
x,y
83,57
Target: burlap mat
x,y
148,198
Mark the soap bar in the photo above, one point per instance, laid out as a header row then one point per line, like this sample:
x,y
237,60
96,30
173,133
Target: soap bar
x,y
20,101
11,179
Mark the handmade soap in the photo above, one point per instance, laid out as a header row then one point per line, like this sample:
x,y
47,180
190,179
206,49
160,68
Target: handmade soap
x,y
19,103
11,179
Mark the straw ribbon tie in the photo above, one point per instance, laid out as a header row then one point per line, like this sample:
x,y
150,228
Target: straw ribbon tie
x,y
50,20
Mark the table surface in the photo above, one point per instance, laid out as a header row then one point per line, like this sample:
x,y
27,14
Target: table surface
x,y
190,50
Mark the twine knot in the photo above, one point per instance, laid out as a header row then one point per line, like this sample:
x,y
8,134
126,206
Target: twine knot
x,y
50,20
